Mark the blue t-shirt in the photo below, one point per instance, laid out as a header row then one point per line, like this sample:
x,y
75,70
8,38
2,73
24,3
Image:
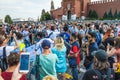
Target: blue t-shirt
x,y
61,65
93,47
65,36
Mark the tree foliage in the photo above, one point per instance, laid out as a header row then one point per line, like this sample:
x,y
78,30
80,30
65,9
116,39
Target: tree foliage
x,y
45,16
90,13
93,14
110,15
8,19
105,16
116,14
119,15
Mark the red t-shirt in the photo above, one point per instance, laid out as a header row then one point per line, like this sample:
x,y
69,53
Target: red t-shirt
x,y
8,76
75,49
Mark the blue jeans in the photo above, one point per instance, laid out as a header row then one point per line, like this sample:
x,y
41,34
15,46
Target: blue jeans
x,y
75,73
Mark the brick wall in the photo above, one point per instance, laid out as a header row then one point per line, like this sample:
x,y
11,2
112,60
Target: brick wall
x,y
104,6
57,13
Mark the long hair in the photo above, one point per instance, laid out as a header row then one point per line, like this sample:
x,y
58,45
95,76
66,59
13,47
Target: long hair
x,y
100,65
117,46
59,43
117,42
107,34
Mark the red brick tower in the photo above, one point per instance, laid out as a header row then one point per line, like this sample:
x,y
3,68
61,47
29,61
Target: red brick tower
x,y
52,9
77,7
84,5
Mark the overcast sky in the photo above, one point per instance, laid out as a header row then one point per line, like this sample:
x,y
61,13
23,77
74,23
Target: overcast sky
x,y
25,8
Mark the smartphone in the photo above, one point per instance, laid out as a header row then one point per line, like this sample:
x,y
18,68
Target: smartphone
x,y
24,62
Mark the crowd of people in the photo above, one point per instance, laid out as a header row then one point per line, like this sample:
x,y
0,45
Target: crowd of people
x,y
59,46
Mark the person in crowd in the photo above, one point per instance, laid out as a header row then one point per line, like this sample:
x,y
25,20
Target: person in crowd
x,y
26,36
74,56
54,33
40,35
60,51
118,30
74,28
98,36
13,60
16,75
101,70
115,51
47,61
8,48
91,46
107,34
109,39
81,35
81,31
20,41
65,35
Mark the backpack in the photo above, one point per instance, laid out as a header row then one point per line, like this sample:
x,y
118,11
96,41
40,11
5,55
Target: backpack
x,y
104,76
3,61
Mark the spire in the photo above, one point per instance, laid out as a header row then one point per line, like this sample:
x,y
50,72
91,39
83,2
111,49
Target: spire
x,y
52,5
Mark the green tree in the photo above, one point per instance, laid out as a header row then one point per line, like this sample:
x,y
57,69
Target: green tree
x,y
105,16
8,19
95,15
90,13
45,16
110,15
116,14
119,15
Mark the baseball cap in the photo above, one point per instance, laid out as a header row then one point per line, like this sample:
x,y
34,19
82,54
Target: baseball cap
x,y
101,55
46,44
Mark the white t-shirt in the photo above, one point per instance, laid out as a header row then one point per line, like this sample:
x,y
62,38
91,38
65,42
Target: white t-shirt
x,y
8,50
49,31
54,35
26,33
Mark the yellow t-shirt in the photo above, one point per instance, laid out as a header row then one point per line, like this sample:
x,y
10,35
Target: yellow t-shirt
x,y
22,46
118,68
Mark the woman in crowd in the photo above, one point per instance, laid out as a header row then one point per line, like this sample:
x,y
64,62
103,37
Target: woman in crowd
x,y
60,51
107,34
13,60
116,52
101,70
20,42
8,48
